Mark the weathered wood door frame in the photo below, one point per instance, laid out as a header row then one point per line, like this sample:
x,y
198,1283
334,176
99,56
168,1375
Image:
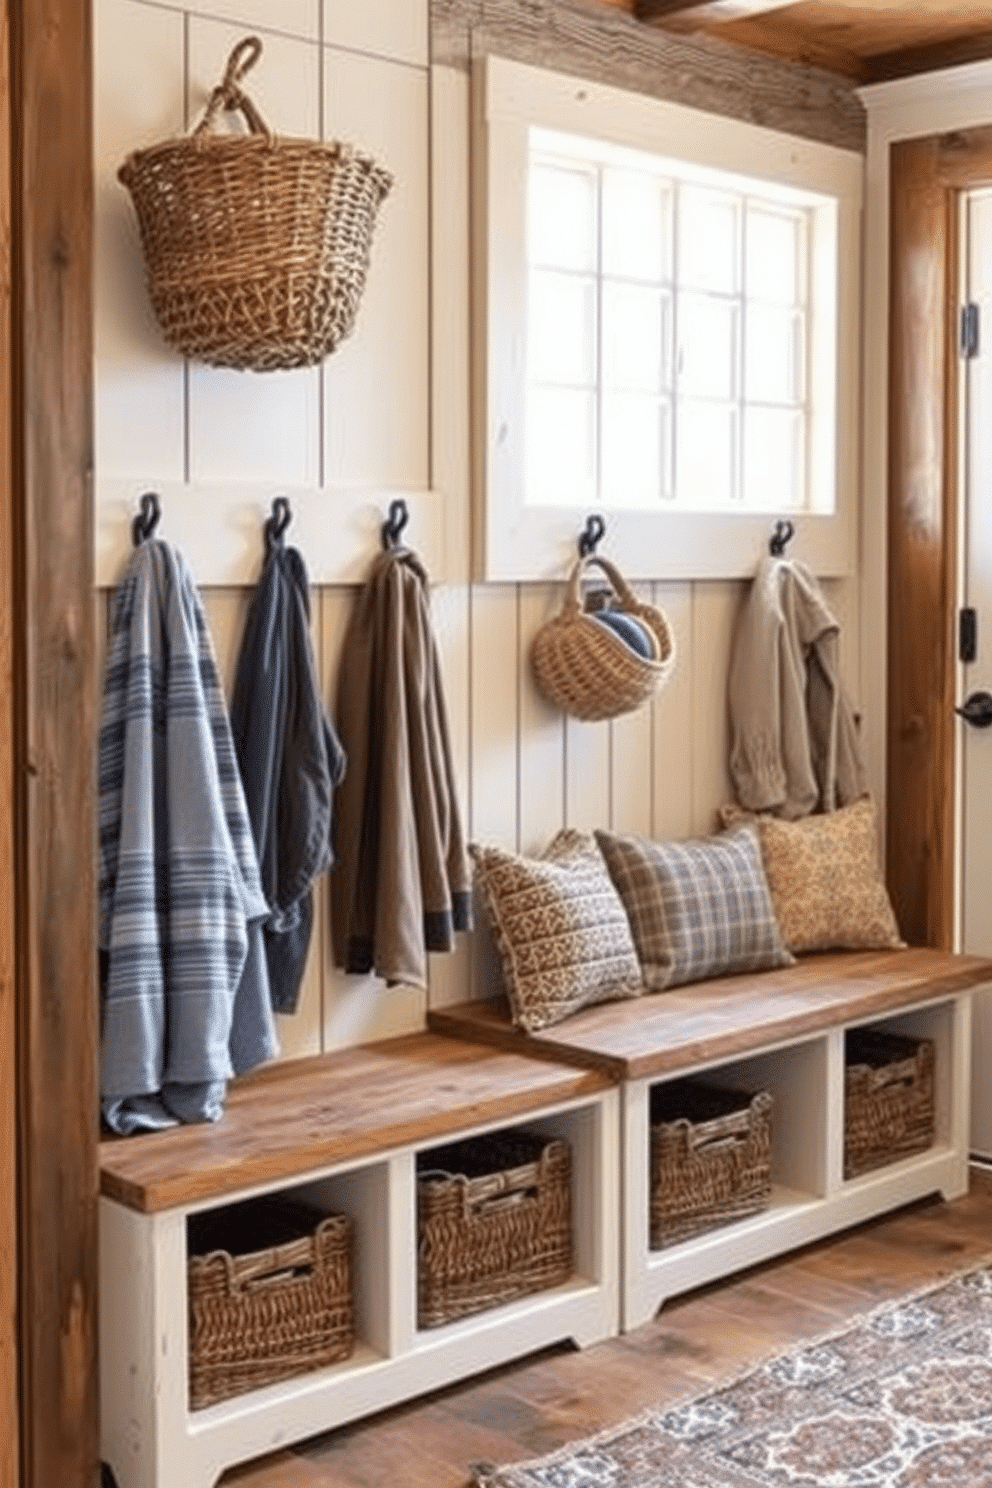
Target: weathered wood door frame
x,y
927,176
47,624
9,1423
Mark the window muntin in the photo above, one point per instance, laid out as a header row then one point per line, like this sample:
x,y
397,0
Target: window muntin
x,y
668,334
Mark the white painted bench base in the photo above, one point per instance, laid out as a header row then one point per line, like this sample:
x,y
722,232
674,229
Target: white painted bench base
x,y
791,1044
149,1436
810,1198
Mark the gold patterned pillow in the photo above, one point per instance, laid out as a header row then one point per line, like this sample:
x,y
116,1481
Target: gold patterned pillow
x,y
825,880
562,933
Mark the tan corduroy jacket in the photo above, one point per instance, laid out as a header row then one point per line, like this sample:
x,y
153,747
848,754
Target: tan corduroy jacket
x,y
402,881
794,741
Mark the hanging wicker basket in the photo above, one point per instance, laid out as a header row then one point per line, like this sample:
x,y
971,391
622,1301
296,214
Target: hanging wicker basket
x,y
588,670
256,246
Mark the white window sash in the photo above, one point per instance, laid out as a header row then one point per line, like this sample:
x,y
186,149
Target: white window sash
x,y
517,541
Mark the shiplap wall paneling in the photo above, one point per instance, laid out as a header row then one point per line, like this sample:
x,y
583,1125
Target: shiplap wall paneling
x,y
354,431
255,426
630,808
398,29
588,766
542,732
291,17
843,598
673,745
139,391
494,717
376,385
715,608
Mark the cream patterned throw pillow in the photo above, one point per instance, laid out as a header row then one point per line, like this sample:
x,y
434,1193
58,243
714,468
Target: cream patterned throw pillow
x,y
560,928
697,909
826,883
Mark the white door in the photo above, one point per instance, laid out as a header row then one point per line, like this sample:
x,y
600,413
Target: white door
x,y
975,675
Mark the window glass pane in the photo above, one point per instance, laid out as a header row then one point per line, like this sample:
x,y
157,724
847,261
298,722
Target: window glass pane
x,y
635,457
637,226
669,335
708,331
775,256
561,329
705,455
709,239
773,355
561,222
773,460
561,447
636,338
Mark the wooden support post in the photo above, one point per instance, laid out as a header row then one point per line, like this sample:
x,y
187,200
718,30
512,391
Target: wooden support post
x,y
54,723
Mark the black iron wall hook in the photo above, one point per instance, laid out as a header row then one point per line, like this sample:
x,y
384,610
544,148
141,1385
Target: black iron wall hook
x,y
781,536
591,535
276,524
392,528
147,520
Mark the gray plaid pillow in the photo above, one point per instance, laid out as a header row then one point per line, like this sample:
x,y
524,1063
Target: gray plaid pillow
x,y
696,909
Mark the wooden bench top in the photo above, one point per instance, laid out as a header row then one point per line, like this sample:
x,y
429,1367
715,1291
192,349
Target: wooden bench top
x,y
666,1033
289,1119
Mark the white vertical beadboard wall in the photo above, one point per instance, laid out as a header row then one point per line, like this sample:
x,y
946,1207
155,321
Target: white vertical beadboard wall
x,y
387,414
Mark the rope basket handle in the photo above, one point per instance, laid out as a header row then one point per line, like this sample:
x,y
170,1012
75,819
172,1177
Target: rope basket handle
x,y
229,96
573,597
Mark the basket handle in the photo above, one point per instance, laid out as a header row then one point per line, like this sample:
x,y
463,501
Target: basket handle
x,y
623,591
499,1191
228,95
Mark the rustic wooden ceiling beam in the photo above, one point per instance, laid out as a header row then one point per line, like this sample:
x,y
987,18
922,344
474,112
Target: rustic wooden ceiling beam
x,y
884,67
654,12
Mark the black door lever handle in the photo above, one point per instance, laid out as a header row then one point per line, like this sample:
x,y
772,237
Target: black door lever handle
x,y
977,709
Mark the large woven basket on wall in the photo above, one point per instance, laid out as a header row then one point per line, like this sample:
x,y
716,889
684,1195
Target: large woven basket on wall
x,y
256,246
588,670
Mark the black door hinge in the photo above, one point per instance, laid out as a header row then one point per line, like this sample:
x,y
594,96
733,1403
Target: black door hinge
x,y
969,330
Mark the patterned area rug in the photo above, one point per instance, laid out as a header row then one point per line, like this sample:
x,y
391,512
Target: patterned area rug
x,y
899,1399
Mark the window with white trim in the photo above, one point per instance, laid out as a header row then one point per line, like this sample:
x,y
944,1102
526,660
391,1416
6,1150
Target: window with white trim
x,y
665,332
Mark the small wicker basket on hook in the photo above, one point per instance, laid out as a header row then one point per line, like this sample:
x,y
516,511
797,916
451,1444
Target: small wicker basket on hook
x,y
256,246
586,669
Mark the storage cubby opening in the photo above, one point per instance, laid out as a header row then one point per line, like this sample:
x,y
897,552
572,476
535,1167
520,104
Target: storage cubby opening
x,y
897,1089
269,1295
796,1079
494,1222
363,1195
939,1024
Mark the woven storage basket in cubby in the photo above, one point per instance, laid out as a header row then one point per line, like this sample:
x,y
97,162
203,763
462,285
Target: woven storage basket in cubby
x,y
585,668
270,1296
494,1222
710,1159
256,245
888,1099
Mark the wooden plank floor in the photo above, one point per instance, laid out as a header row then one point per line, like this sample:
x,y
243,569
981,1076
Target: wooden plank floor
x,y
553,1397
